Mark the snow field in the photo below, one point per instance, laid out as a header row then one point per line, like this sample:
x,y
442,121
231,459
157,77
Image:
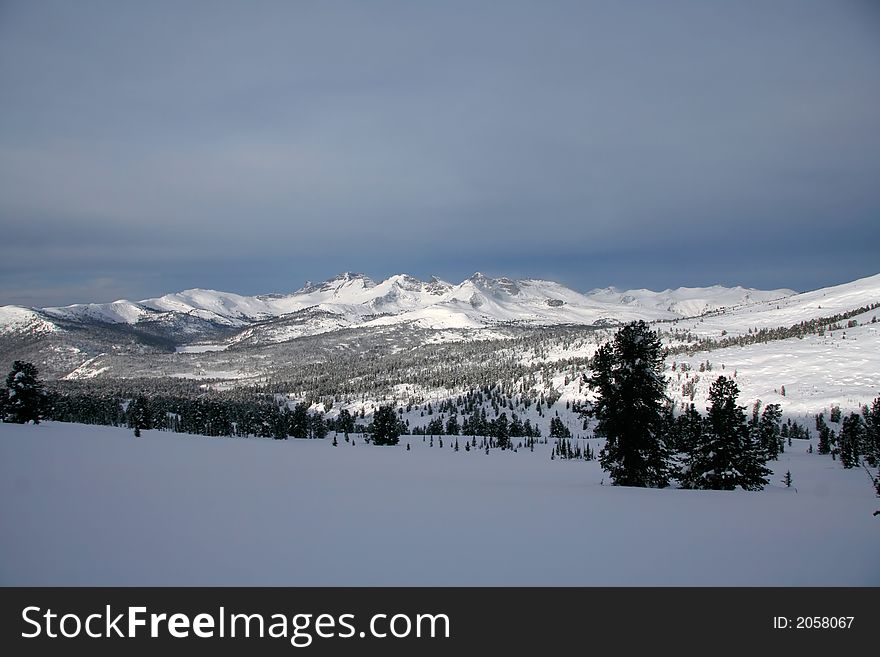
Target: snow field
x,y
88,505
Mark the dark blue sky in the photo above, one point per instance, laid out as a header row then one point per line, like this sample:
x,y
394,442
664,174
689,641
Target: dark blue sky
x,y
147,147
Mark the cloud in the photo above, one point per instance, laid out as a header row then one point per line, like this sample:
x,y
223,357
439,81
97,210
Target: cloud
x,y
289,141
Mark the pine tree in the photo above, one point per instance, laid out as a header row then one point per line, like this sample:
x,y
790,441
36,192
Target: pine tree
x,y
385,426
500,431
558,428
872,433
24,394
299,421
727,455
516,427
768,432
688,430
138,414
317,426
280,423
825,440
627,376
850,439
835,413
345,422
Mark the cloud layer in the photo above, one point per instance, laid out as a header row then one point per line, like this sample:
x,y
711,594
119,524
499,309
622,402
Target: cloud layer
x,y
249,146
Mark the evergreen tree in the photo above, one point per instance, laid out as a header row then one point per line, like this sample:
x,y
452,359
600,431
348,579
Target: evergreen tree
x,y
627,376
769,434
727,455
872,433
825,435
345,422
835,413
755,421
688,429
385,426
317,426
138,414
558,429
500,431
24,394
299,421
850,439
280,424
435,427
516,427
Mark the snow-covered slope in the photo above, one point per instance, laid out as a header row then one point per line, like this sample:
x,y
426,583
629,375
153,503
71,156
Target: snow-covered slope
x,y
790,310
117,312
805,375
16,319
687,301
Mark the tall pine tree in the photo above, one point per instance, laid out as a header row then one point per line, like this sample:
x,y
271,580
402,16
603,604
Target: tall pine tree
x,y
627,377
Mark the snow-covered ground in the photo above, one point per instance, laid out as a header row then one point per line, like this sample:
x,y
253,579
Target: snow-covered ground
x,y
805,376
84,505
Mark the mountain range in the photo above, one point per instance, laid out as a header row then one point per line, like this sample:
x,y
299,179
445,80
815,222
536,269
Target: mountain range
x,y
406,337
354,299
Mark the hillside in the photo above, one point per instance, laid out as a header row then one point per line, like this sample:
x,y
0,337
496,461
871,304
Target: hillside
x,y
350,342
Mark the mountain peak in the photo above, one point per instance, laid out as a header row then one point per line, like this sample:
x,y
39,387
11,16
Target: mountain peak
x,y
495,285
405,279
338,281
349,276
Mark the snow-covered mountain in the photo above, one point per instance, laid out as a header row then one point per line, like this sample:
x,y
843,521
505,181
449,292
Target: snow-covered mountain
x,y
354,299
406,338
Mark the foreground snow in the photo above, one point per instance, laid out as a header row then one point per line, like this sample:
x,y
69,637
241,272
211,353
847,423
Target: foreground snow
x,y
84,505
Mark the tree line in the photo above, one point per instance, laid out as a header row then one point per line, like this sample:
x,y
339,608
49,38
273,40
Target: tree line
x,y
647,443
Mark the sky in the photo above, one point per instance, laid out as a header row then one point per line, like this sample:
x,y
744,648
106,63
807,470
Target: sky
x,y
250,146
